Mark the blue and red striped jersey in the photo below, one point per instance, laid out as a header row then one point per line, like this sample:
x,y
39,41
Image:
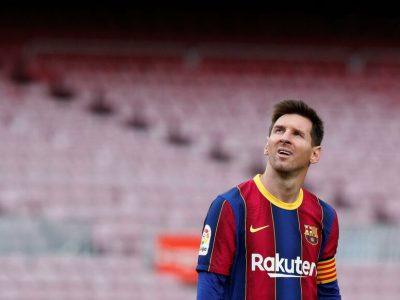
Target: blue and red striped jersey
x,y
269,249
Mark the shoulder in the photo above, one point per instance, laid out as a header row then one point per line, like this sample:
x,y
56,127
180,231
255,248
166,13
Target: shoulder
x,y
234,195
330,219
228,197
328,210
321,208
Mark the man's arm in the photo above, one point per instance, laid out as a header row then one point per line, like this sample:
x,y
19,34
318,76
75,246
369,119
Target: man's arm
x,y
217,250
329,291
328,287
327,283
210,286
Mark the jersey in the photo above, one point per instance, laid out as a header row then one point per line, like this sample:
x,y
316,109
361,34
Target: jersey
x,y
269,249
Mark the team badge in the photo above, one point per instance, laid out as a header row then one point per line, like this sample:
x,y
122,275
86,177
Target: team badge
x,y
311,234
205,240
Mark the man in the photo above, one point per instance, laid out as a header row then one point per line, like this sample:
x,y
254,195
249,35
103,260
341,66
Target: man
x,y
268,238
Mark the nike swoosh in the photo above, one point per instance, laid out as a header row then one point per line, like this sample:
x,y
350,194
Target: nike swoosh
x,y
253,230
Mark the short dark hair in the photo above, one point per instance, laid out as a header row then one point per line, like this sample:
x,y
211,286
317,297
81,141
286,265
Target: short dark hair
x,y
298,107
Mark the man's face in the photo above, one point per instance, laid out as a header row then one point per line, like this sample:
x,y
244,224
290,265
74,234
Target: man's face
x,y
289,147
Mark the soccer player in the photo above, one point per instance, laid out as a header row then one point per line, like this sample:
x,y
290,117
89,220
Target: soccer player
x,y
268,238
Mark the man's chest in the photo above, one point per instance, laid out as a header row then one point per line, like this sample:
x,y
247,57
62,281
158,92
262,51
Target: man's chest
x,y
282,236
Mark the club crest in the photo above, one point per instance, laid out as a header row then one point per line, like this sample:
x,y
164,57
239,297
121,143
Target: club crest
x,y
311,234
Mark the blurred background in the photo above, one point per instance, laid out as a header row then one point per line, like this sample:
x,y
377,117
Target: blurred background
x,y
119,125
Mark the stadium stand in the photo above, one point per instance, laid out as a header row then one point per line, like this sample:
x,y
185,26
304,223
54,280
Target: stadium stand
x,y
121,188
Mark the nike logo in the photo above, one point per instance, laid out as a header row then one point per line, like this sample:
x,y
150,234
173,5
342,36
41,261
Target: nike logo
x,y
253,230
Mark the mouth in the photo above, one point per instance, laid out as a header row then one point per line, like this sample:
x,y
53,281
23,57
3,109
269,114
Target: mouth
x,y
285,152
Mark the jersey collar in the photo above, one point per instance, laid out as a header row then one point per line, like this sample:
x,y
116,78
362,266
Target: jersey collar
x,y
273,199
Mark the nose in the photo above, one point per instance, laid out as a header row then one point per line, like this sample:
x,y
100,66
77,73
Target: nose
x,y
285,137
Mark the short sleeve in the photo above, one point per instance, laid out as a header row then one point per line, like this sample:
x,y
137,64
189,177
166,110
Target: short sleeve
x,y
217,246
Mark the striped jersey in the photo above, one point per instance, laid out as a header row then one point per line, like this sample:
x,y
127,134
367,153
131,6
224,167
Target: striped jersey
x,y
269,249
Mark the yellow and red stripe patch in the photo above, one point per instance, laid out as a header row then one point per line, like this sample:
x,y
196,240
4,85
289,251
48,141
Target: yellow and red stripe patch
x,y
326,271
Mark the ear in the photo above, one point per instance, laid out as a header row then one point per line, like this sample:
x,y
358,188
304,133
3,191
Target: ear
x,y
266,149
315,155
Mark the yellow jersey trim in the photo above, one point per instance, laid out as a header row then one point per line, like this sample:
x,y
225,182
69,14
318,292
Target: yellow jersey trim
x,y
277,202
326,281
326,266
321,277
245,240
326,271
215,235
326,261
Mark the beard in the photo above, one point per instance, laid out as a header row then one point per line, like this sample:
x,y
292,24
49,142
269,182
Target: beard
x,y
287,168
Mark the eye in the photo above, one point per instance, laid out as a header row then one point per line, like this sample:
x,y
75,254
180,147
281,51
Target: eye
x,y
298,133
278,129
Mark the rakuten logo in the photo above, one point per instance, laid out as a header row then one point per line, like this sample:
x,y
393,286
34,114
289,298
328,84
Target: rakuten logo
x,y
282,267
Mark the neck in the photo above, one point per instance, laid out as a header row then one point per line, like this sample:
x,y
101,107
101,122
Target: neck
x,y
284,186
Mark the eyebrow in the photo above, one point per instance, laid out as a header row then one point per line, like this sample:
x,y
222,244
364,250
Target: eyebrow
x,y
301,132
279,127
